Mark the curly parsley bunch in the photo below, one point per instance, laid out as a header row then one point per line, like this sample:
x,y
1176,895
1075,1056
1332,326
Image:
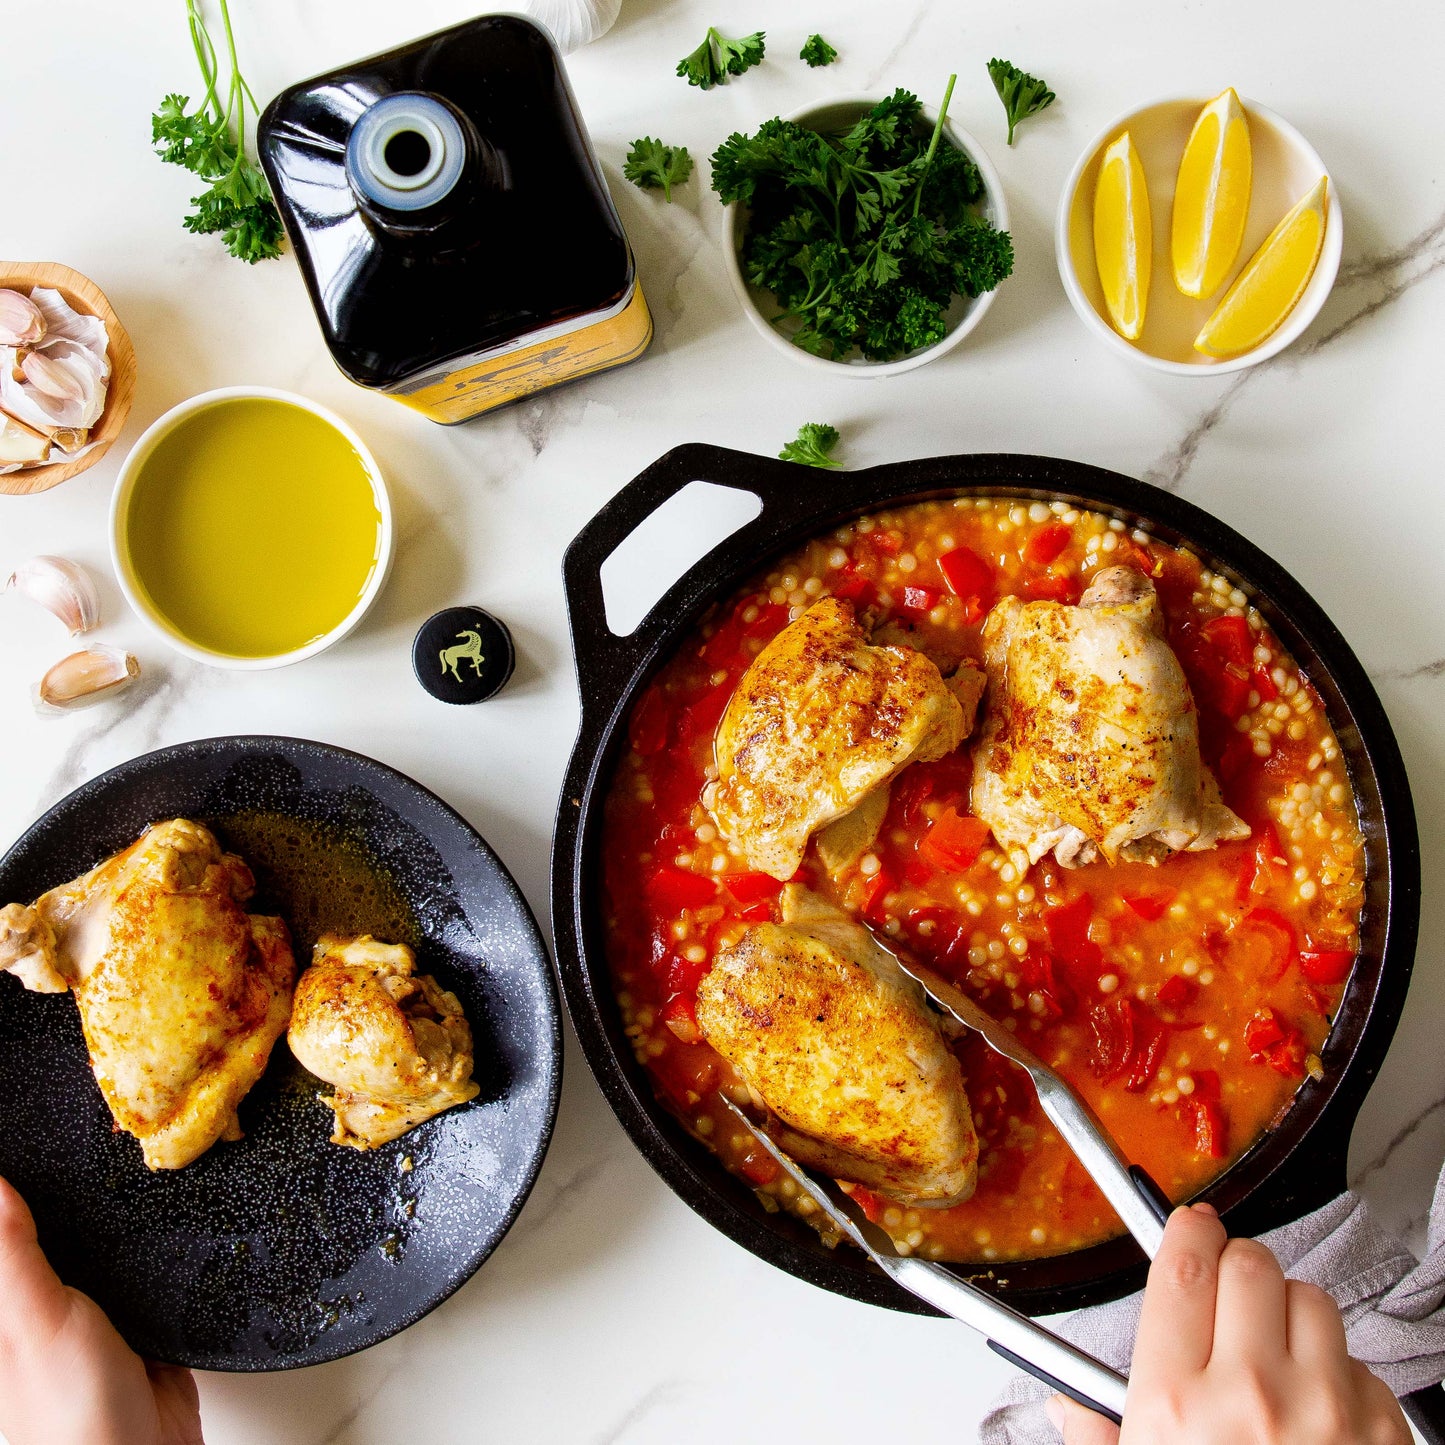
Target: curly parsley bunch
x,y
864,237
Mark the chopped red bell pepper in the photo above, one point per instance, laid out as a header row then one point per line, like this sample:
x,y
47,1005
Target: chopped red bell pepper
x,y
886,541
1206,1118
1276,1042
1149,1040
680,1016
1041,974
954,841
1279,937
1326,965
1052,587
1046,542
770,620
673,889
1068,930
700,719
1150,906
966,573
1263,1031
1262,863
758,1167
751,887
1126,1039
882,885
1231,640
1177,991
1264,685
853,587
918,598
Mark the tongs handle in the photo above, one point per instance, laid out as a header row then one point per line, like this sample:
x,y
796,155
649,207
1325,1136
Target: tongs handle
x,y
1053,1382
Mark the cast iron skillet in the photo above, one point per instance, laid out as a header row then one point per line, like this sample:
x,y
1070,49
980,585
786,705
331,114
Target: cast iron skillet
x,y
1292,1170
284,1249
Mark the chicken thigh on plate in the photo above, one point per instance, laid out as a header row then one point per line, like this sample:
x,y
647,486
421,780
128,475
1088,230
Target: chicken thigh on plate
x,y
181,992
1090,743
396,1046
842,1048
820,720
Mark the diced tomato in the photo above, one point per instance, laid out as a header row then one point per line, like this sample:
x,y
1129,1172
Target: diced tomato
x,y
1326,966
1231,640
1127,1039
647,729
1264,684
1068,930
918,598
853,587
1150,906
1206,1118
752,887
884,541
1263,1031
966,573
1177,991
973,610
757,1166
1041,974
1046,542
954,841
1279,941
673,889
882,884
870,1203
1052,587
700,720
1206,1083
680,1015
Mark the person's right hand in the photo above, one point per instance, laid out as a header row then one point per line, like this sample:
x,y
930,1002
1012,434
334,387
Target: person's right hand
x,y
66,1376
1230,1352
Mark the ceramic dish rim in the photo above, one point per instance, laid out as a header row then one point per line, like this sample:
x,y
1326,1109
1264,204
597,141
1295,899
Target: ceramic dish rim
x,y
125,484
1309,305
993,201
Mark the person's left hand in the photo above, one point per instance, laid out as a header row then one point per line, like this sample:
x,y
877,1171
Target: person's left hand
x,y
66,1376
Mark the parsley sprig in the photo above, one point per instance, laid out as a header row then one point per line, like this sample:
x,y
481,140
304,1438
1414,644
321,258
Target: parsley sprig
x,y
719,56
651,165
813,446
210,142
864,237
816,51
1022,94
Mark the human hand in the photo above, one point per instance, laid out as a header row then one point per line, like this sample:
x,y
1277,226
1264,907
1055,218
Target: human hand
x,y
1230,1351
66,1376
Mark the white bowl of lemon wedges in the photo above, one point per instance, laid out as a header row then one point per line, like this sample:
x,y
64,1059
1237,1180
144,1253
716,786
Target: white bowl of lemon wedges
x,y
1199,236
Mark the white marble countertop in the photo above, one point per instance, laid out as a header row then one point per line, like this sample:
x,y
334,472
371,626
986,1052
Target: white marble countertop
x,y
612,1313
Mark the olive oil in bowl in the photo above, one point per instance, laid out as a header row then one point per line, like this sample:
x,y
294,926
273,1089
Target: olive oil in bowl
x,y
251,528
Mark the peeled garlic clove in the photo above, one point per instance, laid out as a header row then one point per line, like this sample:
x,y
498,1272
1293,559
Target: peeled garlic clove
x,y
86,677
50,378
21,445
22,323
62,587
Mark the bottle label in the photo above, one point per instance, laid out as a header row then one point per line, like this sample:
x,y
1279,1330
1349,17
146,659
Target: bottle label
x,y
486,380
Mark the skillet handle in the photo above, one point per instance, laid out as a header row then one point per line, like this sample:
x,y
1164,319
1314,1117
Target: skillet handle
x,y
1426,1409
605,661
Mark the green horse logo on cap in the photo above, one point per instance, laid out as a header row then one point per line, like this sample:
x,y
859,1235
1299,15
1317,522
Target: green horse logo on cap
x,y
468,649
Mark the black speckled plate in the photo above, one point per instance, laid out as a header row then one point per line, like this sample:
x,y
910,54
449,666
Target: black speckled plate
x,y
283,1249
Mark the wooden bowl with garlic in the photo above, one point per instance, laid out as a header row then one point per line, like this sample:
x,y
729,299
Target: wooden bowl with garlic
x,y
67,375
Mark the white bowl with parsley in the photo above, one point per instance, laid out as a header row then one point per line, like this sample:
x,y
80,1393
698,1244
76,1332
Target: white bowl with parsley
x,y
906,314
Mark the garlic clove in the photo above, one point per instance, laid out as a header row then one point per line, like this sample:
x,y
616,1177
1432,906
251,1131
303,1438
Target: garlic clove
x,y
50,378
86,677
574,23
62,587
22,323
21,445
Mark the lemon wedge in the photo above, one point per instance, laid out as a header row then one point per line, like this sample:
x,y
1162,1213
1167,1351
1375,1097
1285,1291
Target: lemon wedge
x,y
1123,236
1211,197
1272,282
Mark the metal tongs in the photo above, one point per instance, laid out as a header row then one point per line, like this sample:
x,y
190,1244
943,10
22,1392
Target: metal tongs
x,y
1136,1198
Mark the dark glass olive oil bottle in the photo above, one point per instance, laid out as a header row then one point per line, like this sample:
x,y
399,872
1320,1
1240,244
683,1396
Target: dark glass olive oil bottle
x,y
453,225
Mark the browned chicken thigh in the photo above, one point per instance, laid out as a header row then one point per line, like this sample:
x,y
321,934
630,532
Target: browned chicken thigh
x,y
819,721
181,992
839,1044
1090,742
396,1047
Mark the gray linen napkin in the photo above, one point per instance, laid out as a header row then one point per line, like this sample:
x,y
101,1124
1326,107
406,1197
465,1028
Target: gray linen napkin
x,y
1391,1303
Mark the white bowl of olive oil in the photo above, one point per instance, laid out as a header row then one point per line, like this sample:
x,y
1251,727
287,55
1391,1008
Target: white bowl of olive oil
x,y
250,528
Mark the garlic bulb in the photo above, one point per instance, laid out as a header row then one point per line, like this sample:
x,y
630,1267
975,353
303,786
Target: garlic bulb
x,y
574,23
22,323
86,677
62,587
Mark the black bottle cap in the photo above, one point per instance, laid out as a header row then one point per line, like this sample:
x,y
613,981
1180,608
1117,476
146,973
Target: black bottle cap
x,y
463,654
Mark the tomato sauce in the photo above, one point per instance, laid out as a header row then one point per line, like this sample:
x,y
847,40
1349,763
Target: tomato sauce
x,y
1186,1002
